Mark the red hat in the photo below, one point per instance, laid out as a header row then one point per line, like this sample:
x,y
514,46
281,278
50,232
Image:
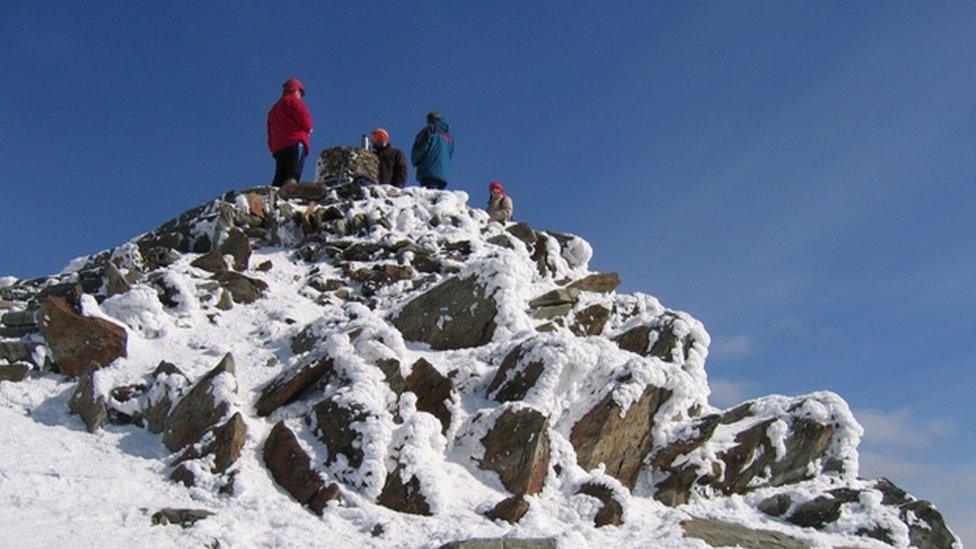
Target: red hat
x,y
496,185
293,84
381,135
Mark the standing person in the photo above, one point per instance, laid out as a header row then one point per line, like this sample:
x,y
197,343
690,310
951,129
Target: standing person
x,y
289,125
393,165
432,152
500,205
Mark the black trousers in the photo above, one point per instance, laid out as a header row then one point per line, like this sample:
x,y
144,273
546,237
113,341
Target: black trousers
x,y
289,163
431,183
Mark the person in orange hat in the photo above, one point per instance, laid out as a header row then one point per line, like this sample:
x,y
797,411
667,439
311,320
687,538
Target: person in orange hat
x,y
289,126
393,165
500,205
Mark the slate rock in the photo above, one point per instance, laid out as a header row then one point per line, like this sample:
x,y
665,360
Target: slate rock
x,y
621,442
336,432
523,232
464,301
92,408
403,496
517,447
510,509
212,262
226,446
196,413
238,246
181,517
612,513
290,386
76,341
719,533
559,296
242,289
776,505
167,386
433,389
510,383
590,321
115,283
598,282
292,469
15,372
303,191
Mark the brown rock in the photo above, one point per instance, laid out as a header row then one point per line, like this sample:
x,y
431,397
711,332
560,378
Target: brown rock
x,y
84,402
336,431
291,466
14,372
559,296
401,496
255,205
591,321
391,371
212,262
225,302
115,283
510,509
612,512
464,301
237,245
523,232
719,533
598,282
265,266
242,289
517,448
76,340
619,442
167,386
289,386
228,441
197,412
181,517
510,383
303,191
667,345
433,391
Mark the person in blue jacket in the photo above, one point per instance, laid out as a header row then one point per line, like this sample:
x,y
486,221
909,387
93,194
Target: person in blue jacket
x,y
432,152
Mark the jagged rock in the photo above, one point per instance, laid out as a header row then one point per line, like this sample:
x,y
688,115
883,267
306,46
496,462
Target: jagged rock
x,y
517,448
405,497
360,251
198,412
84,401
289,386
926,527
660,340
255,205
181,517
433,391
776,505
502,543
225,302
76,340
238,246
523,232
391,372
591,321
375,277
718,533
291,468
501,240
228,441
167,386
817,512
14,372
510,509
620,441
510,383
336,432
212,262
612,512
19,318
540,254
242,289
21,351
303,191
598,282
559,296
466,305
115,283
340,166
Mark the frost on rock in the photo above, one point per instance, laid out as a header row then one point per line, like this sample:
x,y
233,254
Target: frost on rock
x,y
412,373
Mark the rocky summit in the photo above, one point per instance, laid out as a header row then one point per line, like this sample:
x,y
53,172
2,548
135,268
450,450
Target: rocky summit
x,y
339,365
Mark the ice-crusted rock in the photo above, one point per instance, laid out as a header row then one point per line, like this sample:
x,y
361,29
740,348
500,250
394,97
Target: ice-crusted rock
x,y
457,314
517,448
718,533
291,467
87,402
203,406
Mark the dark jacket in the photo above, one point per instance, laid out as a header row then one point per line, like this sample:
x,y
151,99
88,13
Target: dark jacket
x,y
432,151
393,166
288,124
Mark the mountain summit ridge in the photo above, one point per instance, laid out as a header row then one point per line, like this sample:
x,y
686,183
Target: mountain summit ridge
x,y
390,367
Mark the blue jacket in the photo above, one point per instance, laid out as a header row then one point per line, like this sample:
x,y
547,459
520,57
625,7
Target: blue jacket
x,y
432,151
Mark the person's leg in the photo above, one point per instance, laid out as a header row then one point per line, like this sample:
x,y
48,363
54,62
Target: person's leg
x,y
283,167
436,184
298,162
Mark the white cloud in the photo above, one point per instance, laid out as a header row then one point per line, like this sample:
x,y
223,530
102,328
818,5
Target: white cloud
x,y
902,429
731,347
727,393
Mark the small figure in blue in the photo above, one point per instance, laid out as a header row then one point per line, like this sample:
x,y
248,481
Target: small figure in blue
x,y
432,152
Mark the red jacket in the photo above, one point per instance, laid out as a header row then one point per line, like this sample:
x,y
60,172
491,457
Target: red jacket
x,y
288,123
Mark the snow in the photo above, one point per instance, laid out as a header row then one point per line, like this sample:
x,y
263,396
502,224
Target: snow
x,y
98,490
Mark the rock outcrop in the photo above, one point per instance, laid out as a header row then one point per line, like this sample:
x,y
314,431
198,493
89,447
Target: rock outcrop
x,y
76,340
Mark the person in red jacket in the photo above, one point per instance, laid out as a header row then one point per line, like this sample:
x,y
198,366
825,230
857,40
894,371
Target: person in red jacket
x,y
289,125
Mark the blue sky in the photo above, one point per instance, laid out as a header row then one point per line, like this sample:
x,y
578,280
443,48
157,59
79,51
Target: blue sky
x,y
800,176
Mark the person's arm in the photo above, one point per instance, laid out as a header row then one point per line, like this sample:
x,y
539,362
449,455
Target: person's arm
x,y
420,146
507,208
299,113
400,169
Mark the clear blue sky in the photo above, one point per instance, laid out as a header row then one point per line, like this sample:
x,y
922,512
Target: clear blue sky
x,y
800,176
